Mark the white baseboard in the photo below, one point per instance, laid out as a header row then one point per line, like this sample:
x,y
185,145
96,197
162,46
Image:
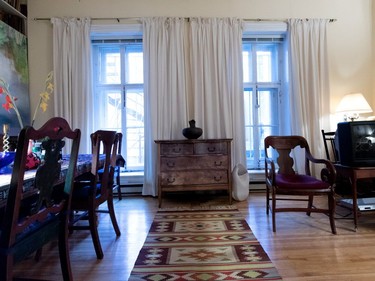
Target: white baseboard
x,y
257,186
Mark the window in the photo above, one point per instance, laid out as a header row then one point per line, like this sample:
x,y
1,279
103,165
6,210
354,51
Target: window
x,y
118,94
261,66
119,98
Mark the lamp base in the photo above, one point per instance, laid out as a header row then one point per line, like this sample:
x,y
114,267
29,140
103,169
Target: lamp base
x,y
352,117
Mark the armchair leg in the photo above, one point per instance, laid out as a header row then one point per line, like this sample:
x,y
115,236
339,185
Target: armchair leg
x,y
310,204
273,211
332,206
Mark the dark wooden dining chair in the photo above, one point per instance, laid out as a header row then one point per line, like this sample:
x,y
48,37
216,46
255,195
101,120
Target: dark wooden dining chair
x,y
118,161
94,188
27,225
283,183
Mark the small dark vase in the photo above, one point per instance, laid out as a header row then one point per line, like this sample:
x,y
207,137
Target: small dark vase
x,y
192,132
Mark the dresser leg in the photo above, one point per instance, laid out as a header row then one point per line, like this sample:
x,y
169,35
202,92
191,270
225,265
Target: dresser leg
x,y
159,198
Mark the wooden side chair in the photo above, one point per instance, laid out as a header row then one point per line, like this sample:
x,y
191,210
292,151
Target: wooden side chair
x,y
117,161
281,178
330,146
94,188
27,227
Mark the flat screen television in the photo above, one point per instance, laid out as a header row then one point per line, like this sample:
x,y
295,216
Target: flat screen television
x,y
355,143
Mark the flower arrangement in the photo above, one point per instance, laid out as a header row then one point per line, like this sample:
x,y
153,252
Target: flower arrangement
x,y
11,100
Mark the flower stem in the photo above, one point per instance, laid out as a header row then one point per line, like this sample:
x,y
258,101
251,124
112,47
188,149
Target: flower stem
x,y
36,111
17,112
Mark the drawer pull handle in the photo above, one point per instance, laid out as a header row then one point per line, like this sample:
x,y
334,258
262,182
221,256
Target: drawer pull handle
x,y
217,178
218,163
170,164
171,180
177,150
211,149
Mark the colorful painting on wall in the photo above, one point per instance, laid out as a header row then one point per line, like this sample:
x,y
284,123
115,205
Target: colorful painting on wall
x,y
15,71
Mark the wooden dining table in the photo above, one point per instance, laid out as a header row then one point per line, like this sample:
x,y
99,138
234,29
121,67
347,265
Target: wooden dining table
x,y
83,166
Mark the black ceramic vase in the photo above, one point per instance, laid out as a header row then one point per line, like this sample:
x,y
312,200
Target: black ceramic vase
x,y
192,132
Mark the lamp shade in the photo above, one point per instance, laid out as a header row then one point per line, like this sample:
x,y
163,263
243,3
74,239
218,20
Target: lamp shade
x,y
353,104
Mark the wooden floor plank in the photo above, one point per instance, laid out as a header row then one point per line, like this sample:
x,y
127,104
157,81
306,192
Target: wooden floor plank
x,y
302,249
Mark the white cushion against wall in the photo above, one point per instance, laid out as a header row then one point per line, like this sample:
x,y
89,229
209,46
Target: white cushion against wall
x,y
240,183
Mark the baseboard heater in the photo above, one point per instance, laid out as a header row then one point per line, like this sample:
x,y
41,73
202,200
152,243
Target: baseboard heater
x,y
131,181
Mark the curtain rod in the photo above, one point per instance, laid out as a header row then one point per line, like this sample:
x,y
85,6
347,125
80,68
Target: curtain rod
x,y
117,19
138,19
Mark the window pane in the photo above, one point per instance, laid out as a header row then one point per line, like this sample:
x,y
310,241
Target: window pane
x,y
109,65
118,96
247,63
266,56
268,107
261,120
134,128
134,59
108,107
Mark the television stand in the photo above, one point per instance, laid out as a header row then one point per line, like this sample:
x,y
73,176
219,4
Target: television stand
x,y
363,204
354,174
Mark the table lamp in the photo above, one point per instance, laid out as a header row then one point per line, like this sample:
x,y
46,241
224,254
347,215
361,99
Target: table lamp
x,y
352,105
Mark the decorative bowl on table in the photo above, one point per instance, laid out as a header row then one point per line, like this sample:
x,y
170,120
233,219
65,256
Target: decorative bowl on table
x,y
6,159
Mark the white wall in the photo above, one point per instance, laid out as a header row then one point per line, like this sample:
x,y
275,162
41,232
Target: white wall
x,y
350,37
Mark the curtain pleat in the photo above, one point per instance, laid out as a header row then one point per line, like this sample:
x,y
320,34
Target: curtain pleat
x,y
193,70
217,80
309,80
164,88
72,75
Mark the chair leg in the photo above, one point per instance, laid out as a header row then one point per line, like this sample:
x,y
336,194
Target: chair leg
x,y
118,186
112,215
331,207
119,192
273,211
6,267
267,200
38,254
310,204
64,254
95,234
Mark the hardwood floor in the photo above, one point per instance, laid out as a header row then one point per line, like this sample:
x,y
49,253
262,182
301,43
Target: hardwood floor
x,y
302,249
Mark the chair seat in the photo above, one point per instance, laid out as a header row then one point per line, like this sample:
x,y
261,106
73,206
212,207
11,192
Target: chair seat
x,y
299,182
82,191
36,226
115,174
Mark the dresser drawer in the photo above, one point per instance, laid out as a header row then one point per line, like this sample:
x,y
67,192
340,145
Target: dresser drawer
x,y
194,177
205,148
176,149
193,162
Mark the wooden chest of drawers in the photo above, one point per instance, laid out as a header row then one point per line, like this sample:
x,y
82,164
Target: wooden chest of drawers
x,y
189,165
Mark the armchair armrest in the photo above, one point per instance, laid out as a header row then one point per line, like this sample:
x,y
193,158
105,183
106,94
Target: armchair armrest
x,y
270,171
328,173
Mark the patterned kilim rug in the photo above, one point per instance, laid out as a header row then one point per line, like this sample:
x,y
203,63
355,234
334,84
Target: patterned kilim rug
x,y
209,245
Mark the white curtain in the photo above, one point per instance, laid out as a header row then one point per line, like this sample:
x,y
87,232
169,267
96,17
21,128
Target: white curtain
x,y
193,70
217,80
72,74
164,88
309,80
